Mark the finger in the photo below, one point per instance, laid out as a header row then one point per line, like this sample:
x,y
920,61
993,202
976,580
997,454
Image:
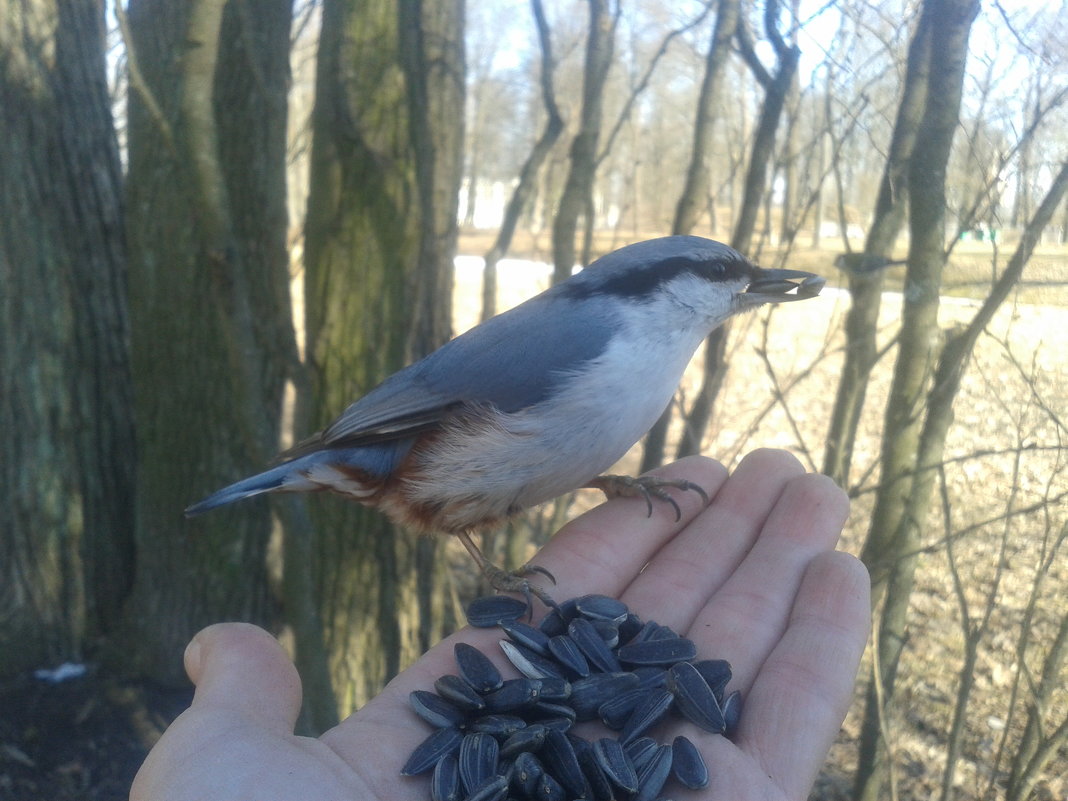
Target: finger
x,y
683,575
802,693
240,668
746,617
603,550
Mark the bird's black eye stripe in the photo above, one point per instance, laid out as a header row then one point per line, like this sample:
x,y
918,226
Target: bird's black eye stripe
x,y
642,282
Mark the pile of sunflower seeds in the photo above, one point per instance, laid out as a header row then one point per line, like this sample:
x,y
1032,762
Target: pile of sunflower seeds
x,y
589,659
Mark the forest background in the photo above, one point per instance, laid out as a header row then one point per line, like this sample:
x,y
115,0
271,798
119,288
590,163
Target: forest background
x,y
220,222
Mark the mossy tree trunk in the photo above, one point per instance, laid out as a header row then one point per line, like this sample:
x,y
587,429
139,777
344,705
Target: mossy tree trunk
x,y
67,475
213,339
380,238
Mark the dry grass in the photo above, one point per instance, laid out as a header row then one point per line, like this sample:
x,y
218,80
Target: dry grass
x,y
1006,452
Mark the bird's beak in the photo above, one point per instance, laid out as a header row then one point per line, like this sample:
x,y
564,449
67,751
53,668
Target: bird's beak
x,y
776,286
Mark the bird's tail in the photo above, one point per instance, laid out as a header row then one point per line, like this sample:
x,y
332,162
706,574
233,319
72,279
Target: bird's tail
x,y
268,481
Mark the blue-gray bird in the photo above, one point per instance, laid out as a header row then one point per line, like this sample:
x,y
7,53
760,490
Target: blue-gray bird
x,y
535,402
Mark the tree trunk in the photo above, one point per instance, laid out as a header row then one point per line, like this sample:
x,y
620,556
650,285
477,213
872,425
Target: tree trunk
x,y
891,549
776,88
380,238
866,282
695,191
213,340
578,188
67,476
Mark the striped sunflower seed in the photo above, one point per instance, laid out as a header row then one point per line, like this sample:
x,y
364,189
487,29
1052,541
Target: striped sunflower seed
x,y
493,610
476,668
687,764
432,750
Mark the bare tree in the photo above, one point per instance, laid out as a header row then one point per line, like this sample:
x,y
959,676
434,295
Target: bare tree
x,y
576,200
67,478
901,502
776,88
385,175
865,274
692,199
212,335
528,174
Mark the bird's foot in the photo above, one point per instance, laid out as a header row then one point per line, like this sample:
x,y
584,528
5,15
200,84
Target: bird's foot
x,y
517,581
647,487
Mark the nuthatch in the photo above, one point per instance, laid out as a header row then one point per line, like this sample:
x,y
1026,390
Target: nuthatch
x,y
535,402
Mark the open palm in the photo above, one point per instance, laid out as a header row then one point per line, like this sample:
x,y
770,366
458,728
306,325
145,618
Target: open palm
x,y
752,578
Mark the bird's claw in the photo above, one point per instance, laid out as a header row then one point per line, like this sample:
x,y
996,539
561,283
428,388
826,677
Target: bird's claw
x,y
516,581
647,487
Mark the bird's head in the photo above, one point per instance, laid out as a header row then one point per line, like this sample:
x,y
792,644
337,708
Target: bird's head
x,y
688,272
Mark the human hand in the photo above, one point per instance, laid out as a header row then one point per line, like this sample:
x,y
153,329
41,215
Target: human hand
x,y
753,578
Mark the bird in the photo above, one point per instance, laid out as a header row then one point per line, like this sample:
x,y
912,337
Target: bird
x,y
535,402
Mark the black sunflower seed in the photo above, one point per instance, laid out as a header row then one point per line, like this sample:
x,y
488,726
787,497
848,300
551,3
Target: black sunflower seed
x,y
609,632
652,777
492,610
583,633
646,715
601,607
732,712
640,751
658,652
592,635
553,689
717,672
549,709
663,633
513,694
600,789
549,789
694,698
432,750
629,628
651,677
588,694
569,655
459,693
500,726
493,788
530,739
559,758
478,757
529,663
561,724
476,668
615,763
687,764
527,636
435,710
527,771
445,783
568,609
553,624
616,710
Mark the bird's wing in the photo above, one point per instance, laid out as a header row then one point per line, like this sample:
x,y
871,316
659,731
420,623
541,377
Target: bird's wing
x,y
511,362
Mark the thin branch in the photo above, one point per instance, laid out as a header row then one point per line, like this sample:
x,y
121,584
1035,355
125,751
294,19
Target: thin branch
x,y
624,114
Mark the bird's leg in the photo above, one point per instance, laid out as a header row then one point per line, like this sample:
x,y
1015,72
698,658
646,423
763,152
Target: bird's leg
x,y
647,487
513,581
